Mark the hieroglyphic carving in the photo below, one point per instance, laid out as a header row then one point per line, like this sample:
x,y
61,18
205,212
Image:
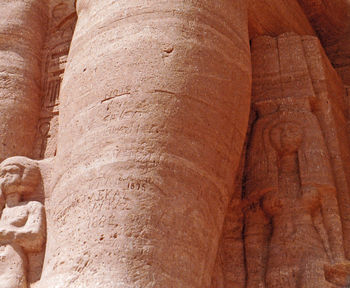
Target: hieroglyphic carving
x,y
22,223
293,231
61,28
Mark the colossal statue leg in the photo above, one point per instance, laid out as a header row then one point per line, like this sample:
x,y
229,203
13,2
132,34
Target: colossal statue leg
x,y
154,109
22,29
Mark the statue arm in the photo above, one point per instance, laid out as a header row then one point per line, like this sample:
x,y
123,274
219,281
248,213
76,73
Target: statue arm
x,y
32,235
256,233
332,222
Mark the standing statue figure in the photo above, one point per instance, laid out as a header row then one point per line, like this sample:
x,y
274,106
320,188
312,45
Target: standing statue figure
x,y
293,232
22,224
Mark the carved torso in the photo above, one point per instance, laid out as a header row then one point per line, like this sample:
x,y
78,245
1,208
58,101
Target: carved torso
x,y
292,190
16,216
13,259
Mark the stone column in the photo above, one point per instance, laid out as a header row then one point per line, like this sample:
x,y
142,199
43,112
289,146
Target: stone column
x,y
154,110
22,30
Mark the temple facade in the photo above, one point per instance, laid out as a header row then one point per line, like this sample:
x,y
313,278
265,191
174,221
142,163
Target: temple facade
x,y
174,143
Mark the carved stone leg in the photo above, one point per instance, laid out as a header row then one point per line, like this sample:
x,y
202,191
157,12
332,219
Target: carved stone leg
x,y
154,110
13,266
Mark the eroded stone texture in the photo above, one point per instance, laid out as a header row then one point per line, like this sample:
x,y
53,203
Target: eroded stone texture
x,y
59,36
293,200
153,112
22,31
294,205
337,43
328,17
230,267
22,223
339,54
331,110
153,115
274,17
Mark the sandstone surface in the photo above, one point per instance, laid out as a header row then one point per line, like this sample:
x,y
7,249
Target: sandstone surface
x,y
173,143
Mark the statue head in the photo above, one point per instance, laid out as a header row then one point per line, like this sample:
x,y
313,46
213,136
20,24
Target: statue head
x,y
286,137
18,175
284,133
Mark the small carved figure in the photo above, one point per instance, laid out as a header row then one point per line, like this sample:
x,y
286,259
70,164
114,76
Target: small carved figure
x,y
22,224
293,232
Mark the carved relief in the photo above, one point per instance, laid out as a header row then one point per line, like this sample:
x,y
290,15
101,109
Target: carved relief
x,y
22,223
62,24
293,232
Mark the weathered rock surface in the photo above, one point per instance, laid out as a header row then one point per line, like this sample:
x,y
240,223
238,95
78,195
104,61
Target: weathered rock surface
x,y
147,143
22,223
329,18
274,17
148,172
290,168
22,32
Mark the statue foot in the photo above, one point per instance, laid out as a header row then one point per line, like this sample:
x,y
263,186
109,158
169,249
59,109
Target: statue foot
x,y
338,274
